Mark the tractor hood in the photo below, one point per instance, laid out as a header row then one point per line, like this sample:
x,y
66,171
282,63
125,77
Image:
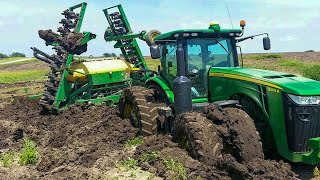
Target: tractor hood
x,y
289,83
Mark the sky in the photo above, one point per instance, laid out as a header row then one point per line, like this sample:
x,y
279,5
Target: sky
x,y
293,25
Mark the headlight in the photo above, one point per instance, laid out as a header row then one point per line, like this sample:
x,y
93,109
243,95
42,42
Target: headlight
x,y
305,100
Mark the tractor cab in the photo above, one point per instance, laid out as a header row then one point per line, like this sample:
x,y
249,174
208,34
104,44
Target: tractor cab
x,y
201,55
203,49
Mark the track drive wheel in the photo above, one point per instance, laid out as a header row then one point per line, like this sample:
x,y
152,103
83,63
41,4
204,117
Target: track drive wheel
x,y
137,104
198,136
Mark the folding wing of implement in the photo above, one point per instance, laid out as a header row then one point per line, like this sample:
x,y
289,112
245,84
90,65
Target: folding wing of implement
x,y
120,31
79,80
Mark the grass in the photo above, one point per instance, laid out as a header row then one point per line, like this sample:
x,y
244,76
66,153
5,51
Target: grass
x,y
290,63
149,156
29,153
176,167
128,164
265,56
312,71
133,142
152,63
7,158
303,68
22,76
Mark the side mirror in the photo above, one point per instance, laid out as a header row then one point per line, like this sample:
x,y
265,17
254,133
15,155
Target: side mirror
x,y
155,51
266,43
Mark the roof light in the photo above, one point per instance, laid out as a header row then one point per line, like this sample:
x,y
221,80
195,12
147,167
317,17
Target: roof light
x,y
242,23
214,26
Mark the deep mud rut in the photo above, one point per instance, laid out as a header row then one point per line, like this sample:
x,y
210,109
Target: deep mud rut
x,y
87,143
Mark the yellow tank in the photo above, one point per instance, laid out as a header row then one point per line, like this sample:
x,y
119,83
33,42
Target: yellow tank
x,y
80,70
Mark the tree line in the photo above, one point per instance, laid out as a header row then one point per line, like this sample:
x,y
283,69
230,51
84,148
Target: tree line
x,y
15,54
111,55
18,54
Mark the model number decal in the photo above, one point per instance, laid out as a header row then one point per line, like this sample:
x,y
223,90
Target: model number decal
x,y
273,90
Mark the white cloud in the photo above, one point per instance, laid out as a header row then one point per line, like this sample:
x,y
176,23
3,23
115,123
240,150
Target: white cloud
x,y
23,19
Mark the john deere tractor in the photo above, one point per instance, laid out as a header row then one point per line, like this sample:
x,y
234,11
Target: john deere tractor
x,y
199,87
200,67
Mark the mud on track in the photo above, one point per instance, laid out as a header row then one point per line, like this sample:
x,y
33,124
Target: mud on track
x,y
85,143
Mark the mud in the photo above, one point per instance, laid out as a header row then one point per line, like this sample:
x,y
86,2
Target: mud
x,y
237,131
70,144
86,143
71,42
226,166
167,150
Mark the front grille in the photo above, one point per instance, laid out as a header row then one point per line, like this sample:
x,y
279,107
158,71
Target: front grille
x,y
302,123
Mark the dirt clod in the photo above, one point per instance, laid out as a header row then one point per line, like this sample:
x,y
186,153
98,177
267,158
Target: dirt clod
x,y
71,42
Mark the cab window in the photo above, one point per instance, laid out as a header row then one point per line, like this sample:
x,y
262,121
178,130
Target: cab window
x,y
169,60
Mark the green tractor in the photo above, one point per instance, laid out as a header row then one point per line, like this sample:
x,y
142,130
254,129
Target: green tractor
x,y
201,67
199,87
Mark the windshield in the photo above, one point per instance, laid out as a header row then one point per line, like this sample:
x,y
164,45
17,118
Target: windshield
x,y
204,53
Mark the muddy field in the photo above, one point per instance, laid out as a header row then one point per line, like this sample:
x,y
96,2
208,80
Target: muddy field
x,y
89,143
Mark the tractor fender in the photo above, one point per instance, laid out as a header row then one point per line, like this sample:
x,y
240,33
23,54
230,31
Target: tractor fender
x,y
160,82
255,100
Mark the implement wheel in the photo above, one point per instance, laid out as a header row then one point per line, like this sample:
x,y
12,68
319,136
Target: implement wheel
x,y
137,104
151,35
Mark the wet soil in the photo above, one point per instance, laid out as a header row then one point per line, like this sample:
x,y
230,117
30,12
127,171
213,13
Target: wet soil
x,y
77,144
86,143
8,91
227,165
71,42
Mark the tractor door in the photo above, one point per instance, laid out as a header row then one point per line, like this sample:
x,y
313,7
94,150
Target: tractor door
x,y
168,69
204,54
197,69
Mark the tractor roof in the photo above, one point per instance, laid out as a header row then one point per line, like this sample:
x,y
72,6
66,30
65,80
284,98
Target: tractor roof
x,y
172,35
